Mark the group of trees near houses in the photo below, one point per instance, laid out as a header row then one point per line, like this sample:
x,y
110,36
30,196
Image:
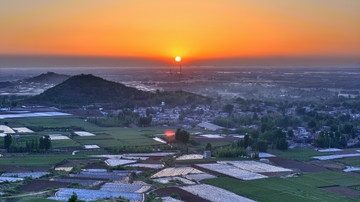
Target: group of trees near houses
x,y
239,148
35,144
331,139
124,119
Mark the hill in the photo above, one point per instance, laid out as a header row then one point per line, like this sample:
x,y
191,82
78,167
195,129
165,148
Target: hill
x,y
49,77
89,89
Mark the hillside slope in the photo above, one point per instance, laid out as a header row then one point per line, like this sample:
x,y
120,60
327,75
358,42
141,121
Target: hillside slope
x,y
88,89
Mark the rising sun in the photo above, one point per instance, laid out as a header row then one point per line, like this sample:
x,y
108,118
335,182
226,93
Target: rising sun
x,y
177,58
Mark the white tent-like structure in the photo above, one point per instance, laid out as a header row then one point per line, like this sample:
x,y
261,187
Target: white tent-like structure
x,y
209,126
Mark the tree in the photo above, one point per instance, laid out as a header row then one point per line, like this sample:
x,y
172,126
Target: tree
x,y
312,124
300,110
255,116
208,147
182,115
182,135
74,198
290,133
145,121
246,141
41,143
228,108
7,141
262,146
254,134
47,142
282,144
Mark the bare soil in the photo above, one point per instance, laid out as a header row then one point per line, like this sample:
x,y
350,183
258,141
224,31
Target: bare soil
x,y
10,169
184,195
296,165
39,185
78,162
343,191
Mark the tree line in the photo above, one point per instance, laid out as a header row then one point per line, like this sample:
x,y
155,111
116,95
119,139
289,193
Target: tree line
x,y
34,145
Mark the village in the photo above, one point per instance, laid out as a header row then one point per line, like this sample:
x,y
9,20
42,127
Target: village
x,y
153,162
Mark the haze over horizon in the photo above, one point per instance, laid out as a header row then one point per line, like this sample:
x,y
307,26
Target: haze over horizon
x,y
214,33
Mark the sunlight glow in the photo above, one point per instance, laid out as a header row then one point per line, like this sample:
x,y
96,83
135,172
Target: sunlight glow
x,y
169,133
177,58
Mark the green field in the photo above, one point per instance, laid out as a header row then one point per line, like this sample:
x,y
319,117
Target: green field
x,y
58,121
351,161
303,188
41,159
297,154
56,144
117,136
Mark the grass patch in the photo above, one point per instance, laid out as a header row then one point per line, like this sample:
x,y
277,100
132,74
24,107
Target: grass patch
x,y
350,161
299,154
342,179
41,159
55,144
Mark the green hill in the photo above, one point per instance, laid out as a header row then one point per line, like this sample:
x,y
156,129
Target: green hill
x,y
88,89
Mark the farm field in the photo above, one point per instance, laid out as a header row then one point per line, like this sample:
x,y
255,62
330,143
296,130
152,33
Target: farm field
x,y
351,161
105,137
64,144
35,199
302,154
303,188
60,121
41,159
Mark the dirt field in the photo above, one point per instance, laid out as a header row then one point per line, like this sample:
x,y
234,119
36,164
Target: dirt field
x,y
11,169
185,196
78,162
343,191
327,164
85,178
153,160
296,165
39,185
96,166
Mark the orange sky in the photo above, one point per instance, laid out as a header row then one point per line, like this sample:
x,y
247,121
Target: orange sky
x,y
189,28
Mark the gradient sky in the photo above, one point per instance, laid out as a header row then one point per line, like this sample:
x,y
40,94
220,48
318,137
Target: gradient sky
x,y
193,29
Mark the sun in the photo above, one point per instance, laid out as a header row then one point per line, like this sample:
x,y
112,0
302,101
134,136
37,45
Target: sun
x,y
177,58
